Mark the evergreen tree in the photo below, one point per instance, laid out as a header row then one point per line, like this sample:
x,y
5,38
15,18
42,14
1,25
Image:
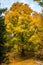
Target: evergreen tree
x,y
40,2
2,33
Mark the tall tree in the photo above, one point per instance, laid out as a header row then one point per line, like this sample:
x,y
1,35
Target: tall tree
x,y
18,25
21,28
23,31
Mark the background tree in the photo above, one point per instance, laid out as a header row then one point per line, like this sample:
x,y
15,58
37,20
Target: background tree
x,y
40,30
40,2
2,33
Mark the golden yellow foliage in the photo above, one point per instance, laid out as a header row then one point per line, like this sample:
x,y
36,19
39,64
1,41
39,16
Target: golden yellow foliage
x,y
22,26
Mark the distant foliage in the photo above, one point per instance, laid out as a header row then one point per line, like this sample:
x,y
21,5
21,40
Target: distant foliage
x,y
40,2
2,34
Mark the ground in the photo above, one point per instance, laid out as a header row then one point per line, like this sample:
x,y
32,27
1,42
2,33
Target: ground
x,y
19,61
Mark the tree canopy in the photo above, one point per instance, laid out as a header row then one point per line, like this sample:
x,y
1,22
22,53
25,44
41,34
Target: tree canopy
x,y
23,26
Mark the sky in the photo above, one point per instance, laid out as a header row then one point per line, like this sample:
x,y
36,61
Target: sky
x,y
8,3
